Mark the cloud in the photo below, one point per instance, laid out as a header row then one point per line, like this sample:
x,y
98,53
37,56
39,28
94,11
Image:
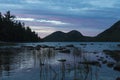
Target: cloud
x,y
25,19
43,30
33,2
6,6
55,22
64,15
11,2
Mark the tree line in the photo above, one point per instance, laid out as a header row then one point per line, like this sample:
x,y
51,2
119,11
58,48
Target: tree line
x,y
15,31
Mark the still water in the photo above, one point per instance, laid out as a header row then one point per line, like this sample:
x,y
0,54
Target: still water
x,y
60,61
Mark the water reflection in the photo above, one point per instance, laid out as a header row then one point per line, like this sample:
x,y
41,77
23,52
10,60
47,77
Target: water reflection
x,y
55,63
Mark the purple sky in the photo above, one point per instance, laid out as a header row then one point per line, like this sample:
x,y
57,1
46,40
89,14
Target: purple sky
x,y
90,17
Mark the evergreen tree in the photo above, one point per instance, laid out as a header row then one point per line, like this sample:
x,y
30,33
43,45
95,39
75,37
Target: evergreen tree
x,y
15,31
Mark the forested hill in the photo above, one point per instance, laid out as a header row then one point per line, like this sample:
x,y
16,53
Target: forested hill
x,y
15,31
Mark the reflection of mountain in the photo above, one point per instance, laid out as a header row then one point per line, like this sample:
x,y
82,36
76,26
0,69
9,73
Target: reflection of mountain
x,y
111,34
70,36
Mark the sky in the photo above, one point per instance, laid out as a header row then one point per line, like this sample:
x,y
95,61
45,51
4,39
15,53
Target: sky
x,y
90,17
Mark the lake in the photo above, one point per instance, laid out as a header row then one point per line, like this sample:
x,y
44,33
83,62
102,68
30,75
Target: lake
x,y
60,61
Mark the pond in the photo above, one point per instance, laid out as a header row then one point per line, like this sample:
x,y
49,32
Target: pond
x,y
60,61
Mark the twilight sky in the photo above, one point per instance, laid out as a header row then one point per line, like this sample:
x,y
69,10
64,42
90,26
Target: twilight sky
x,y
90,17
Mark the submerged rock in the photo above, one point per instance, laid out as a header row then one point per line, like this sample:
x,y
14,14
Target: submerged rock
x,y
83,44
95,52
60,48
118,78
110,64
38,47
90,63
115,54
44,46
65,51
62,60
118,45
71,45
117,66
27,47
104,62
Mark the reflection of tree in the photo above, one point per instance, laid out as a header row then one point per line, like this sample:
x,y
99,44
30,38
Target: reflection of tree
x,y
86,70
1,69
5,62
47,70
44,55
8,58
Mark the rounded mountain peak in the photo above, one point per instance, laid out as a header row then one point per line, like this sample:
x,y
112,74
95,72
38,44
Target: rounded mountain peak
x,y
74,32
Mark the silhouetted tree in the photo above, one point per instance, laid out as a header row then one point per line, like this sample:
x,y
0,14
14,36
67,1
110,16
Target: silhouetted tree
x,y
8,16
15,31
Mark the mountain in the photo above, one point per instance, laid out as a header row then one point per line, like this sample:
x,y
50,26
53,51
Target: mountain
x,y
112,34
65,37
73,36
109,35
56,36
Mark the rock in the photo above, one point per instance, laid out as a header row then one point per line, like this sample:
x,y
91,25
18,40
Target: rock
x,y
44,46
110,64
28,47
38,47
65,51
62,60
95,52
70,45
60,48
90,62
83,44
117,66
104,62
118,78
118,45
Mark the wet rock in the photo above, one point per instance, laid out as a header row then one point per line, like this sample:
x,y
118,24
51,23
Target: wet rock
x,y
110,64
104,62
60,48
52,47
62,60
83,44
101,57
106,56
92,43
65,51
97,56
118,45
90,62
118,78
95,52
117,67
107,51
28,47
70,45
115,54
44,46
38,47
